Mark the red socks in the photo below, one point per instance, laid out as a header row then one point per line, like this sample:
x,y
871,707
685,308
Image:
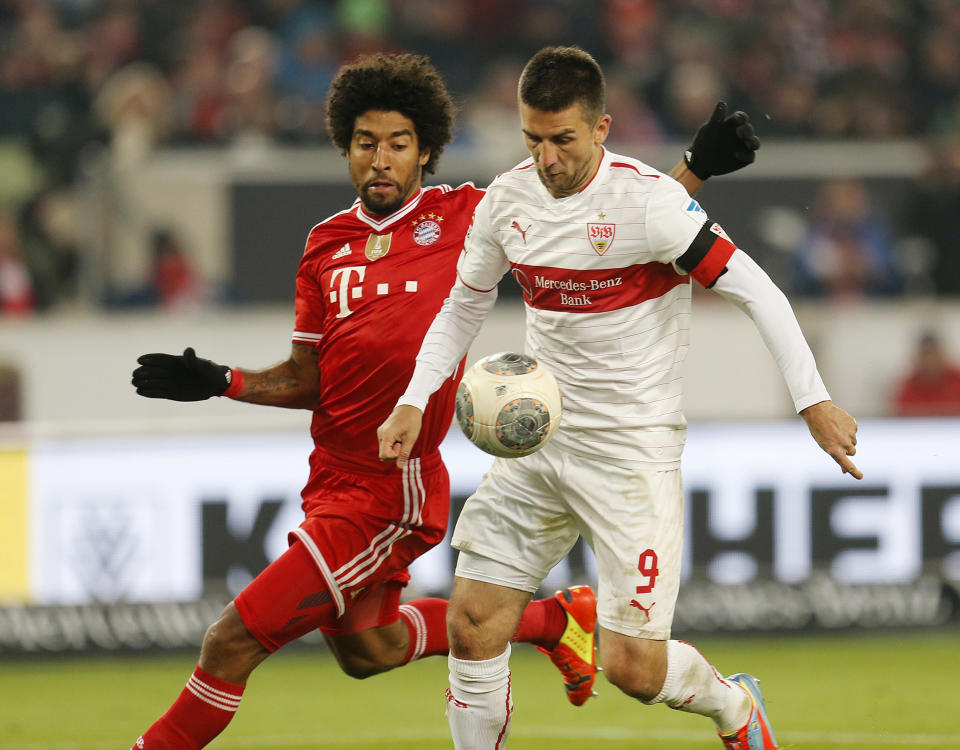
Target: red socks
x,y
202,711
542,624
207,703
426,619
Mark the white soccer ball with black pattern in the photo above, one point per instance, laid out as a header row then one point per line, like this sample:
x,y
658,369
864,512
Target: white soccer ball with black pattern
x,y
508,405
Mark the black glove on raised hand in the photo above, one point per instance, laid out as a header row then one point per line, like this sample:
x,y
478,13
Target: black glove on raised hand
x,y
183,377
723,144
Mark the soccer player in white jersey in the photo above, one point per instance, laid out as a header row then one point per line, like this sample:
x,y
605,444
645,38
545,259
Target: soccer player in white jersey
x,y
604,248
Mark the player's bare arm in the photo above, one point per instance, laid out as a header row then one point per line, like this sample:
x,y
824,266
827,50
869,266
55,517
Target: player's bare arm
x,y
723,144
836,432
399,433
682,174
293,384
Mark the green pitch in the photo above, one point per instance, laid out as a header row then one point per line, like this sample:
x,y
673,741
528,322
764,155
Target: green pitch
x,y
865,692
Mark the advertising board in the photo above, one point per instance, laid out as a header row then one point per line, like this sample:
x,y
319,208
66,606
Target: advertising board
x,y
777,537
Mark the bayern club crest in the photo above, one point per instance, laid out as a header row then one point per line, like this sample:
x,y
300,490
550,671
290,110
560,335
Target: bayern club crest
x,y
427,229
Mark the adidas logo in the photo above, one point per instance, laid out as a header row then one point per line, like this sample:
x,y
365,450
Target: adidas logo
x,y
343,251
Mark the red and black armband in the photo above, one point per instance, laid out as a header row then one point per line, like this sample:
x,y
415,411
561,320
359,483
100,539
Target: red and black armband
x,y
706,258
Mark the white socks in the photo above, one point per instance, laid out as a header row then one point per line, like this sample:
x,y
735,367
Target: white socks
x,y
693,685
480,702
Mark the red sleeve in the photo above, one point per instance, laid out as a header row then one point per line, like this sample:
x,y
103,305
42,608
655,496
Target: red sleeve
x,y
309,302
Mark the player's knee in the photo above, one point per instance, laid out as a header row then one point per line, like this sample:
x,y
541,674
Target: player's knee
x,y
470,634
462,627
637,666
229,646
225,635
633,680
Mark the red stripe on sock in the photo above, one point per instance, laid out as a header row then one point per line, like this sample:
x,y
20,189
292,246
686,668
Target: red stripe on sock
x,y
506,722
427,625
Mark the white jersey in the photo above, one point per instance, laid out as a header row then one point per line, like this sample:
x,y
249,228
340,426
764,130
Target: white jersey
x,y
604,274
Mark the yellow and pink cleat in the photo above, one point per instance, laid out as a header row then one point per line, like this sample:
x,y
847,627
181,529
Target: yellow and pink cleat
x,y
575,655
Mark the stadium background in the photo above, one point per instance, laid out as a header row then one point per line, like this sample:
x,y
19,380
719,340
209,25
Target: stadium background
x,y
162,161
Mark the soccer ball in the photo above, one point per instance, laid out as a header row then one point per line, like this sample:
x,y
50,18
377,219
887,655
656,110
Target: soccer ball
x,y
508,405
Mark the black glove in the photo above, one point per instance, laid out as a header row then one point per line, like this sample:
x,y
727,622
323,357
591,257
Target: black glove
x,y
723,144
180,378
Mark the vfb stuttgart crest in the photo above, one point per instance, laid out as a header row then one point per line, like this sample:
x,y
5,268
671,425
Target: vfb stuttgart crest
x,y
601,236
427,229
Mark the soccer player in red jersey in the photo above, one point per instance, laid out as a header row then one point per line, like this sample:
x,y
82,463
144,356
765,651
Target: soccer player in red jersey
x,y
390,257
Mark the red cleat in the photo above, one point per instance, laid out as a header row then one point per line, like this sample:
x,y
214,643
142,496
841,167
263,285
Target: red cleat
x,y
574,655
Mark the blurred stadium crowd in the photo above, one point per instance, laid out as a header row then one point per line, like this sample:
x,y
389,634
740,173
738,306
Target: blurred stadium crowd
x,y
142,73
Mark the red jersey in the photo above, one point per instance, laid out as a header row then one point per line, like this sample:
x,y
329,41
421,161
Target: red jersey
x,y
368,288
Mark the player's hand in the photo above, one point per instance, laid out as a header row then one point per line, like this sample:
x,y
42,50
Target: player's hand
x,y
836,432
723,144
399,433
177,377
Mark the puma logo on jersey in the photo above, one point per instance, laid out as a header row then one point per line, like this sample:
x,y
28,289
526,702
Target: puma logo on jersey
x,y
342,252
645,610
523,232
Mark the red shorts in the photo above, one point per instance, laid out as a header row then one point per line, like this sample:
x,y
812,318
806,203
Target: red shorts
x,y
348,559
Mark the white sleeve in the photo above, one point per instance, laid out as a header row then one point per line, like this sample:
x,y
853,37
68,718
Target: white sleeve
x,y
447,341
673,220
479,270
482,263
747,286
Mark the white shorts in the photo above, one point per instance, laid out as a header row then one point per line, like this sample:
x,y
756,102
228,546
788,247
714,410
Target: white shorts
x,y
528,512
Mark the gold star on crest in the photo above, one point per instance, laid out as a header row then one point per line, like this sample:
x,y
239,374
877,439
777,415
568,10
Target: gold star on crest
x,y
424,217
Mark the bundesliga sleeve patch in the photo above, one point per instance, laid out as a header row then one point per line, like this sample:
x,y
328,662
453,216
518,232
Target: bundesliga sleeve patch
x,y
706,258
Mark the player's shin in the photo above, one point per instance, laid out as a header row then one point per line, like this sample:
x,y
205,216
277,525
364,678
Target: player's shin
x,y
693,685
480,702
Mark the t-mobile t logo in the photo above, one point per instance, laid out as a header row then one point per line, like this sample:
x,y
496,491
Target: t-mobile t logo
x,y
344,290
